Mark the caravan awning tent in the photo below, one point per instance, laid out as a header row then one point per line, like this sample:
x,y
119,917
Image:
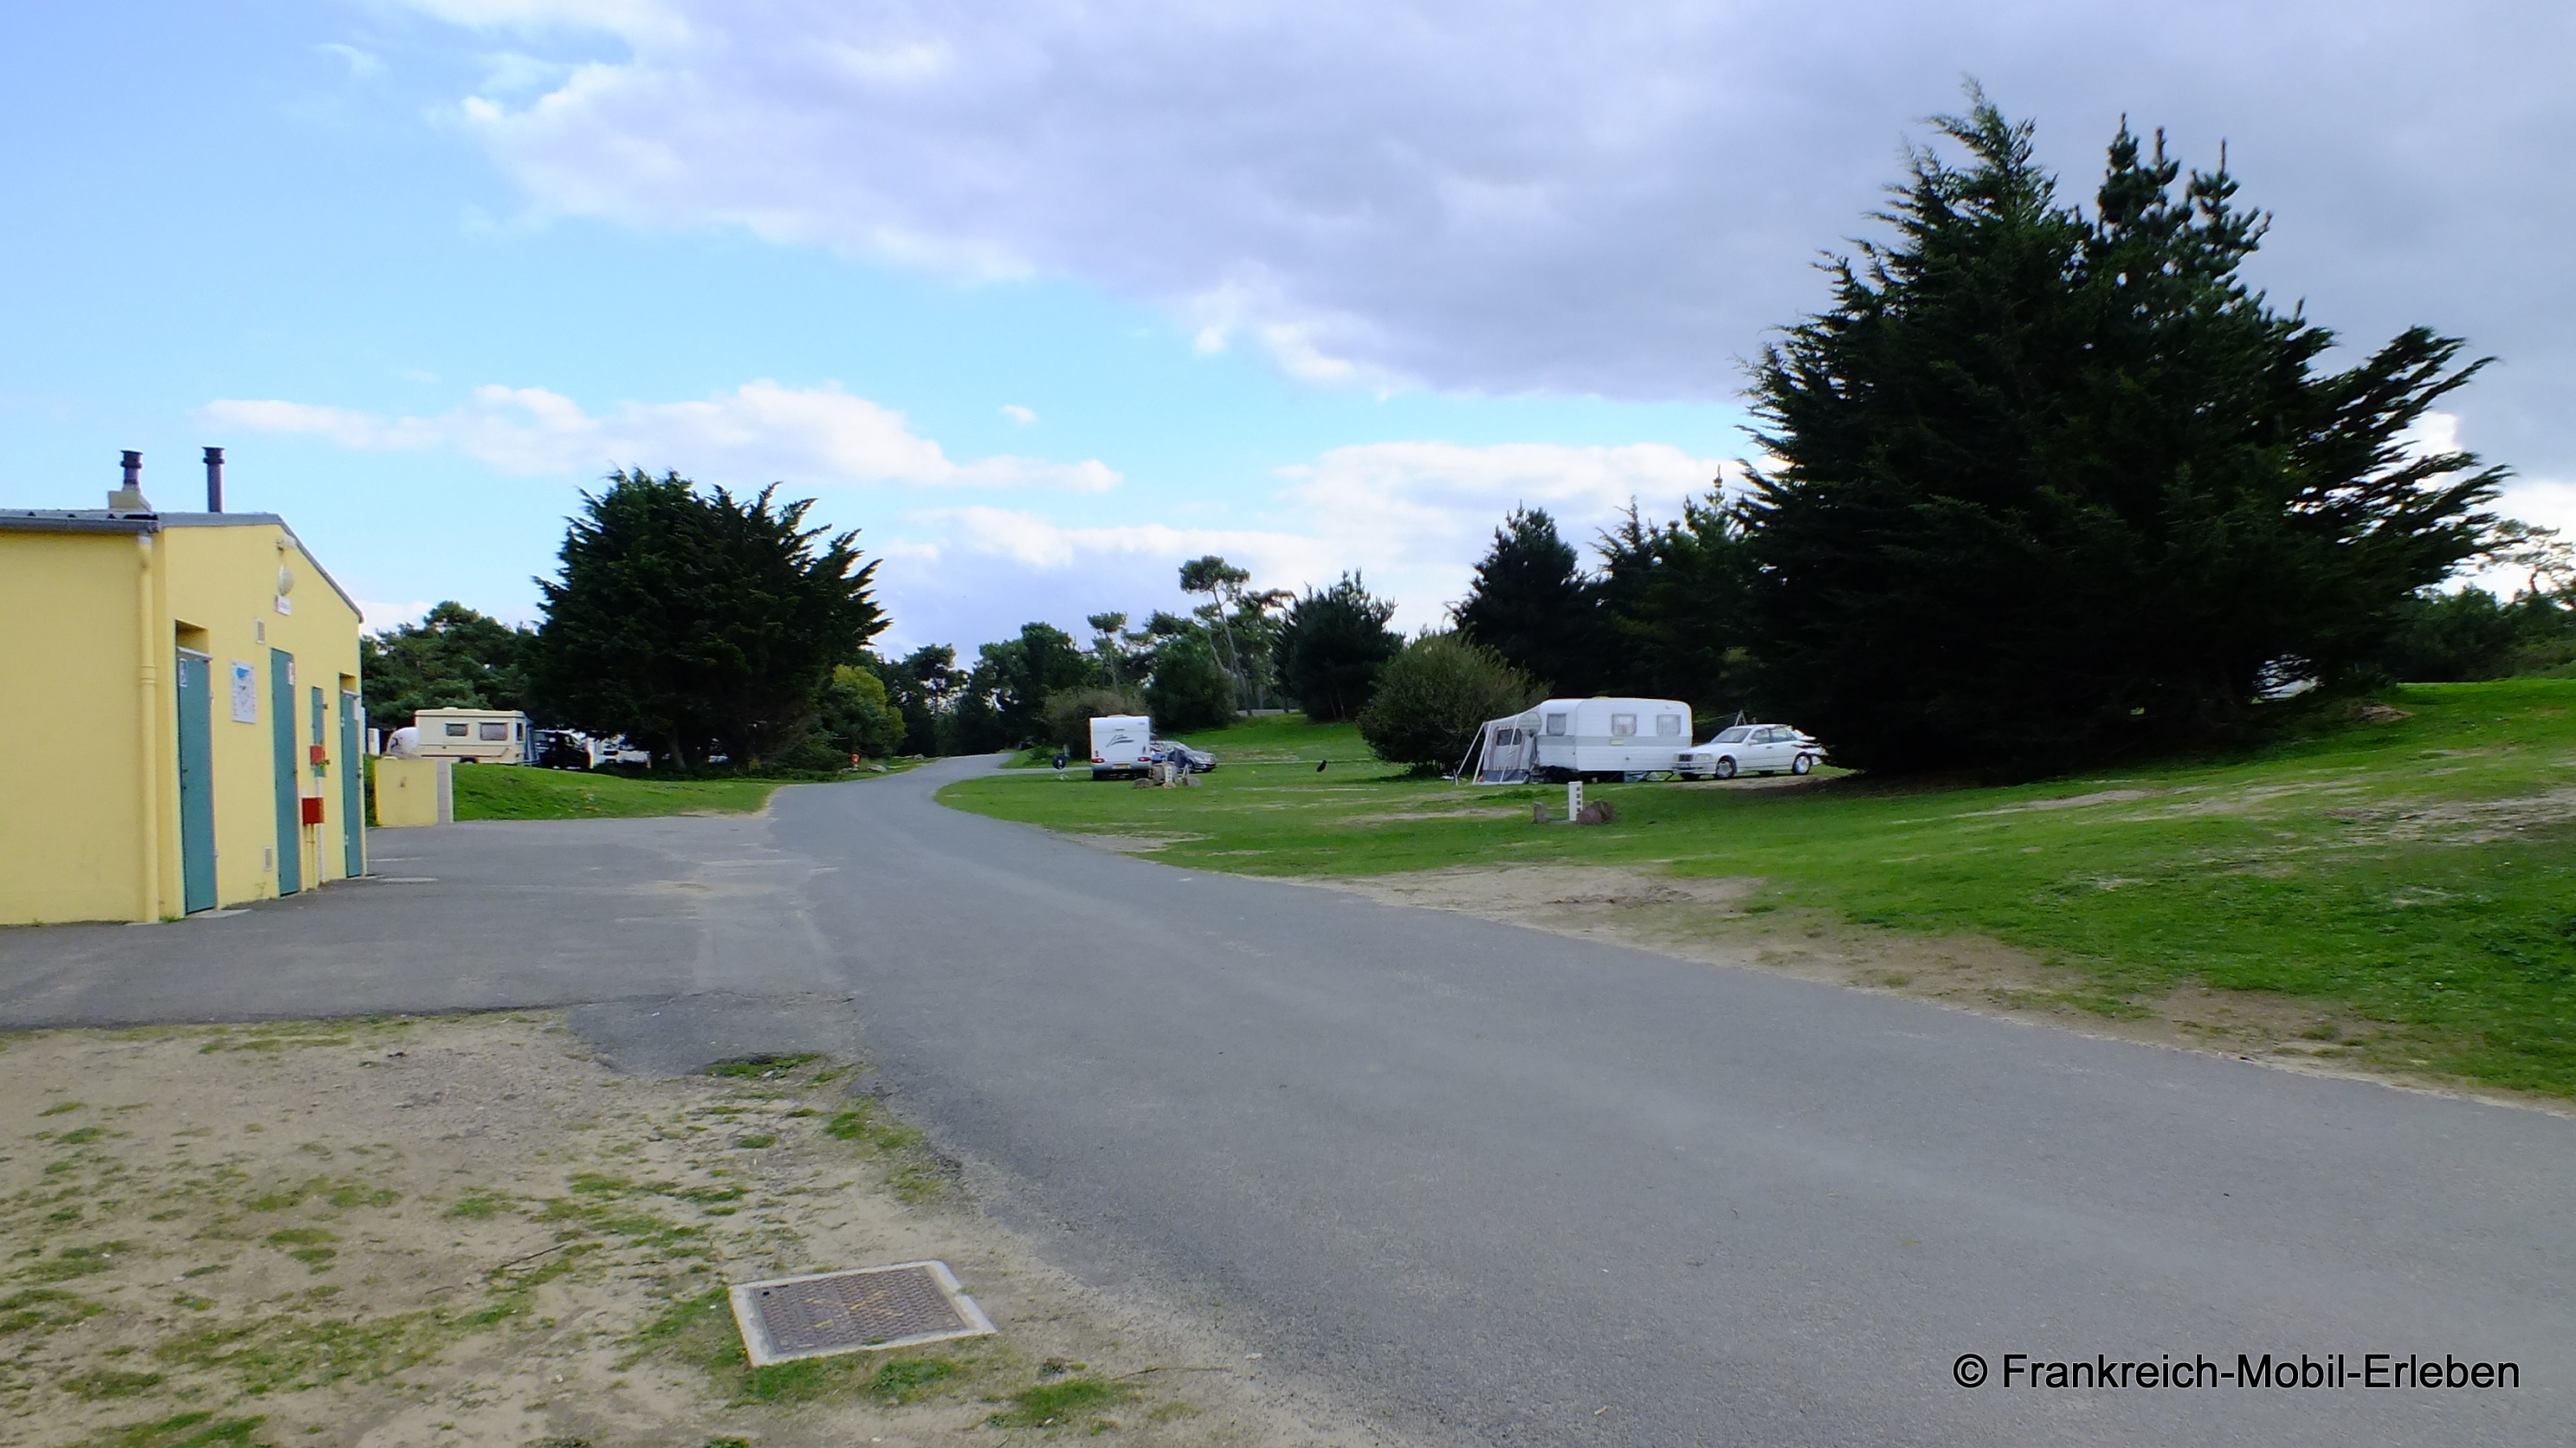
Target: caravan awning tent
x,y
1506,750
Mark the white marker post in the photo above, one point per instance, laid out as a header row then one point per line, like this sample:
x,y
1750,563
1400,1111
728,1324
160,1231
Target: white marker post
x,y
1573,799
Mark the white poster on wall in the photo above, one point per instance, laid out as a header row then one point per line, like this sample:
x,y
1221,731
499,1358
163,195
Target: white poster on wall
x,y
245,693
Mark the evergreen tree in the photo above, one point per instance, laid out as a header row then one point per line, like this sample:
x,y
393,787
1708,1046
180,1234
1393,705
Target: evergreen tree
x,y
1331,648
919,686
1531,604
696,621
1672,597
1019,674
454,658
1190,688
2051,487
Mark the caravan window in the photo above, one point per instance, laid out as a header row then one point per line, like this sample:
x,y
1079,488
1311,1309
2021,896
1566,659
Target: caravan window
x,y
496,732
1668,726
1555,726
1622,725
456,731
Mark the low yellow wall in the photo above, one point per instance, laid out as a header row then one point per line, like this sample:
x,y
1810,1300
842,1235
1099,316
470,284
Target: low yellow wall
x,y
408,792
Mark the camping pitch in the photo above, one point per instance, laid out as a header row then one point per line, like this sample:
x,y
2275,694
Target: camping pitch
x,y
1568,739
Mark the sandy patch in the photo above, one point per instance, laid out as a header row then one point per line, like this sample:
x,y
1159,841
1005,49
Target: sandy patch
x,y
1469,812
2072,801
1136,844
1719,921
2459,822
463,1231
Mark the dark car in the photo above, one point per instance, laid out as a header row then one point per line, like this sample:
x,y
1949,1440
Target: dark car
x,y
561,749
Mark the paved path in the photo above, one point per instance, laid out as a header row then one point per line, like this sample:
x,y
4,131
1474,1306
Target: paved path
x,y
1490,1184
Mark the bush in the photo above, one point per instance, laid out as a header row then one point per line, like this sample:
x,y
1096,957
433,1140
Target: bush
x,y
856,717
1069,713
1191,690
1431,698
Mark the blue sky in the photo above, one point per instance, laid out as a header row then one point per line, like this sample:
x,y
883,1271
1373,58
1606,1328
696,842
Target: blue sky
x,y
1046,297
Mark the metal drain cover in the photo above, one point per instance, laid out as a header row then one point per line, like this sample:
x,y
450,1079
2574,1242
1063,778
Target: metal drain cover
x,y
873,1307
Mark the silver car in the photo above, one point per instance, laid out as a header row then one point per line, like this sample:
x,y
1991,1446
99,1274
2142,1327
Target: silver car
x,y
1750,749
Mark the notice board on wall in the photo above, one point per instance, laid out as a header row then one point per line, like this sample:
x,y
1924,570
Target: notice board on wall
x,y
245,693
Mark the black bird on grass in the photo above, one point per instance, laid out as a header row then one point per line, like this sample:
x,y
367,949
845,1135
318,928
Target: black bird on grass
x,y
1319,765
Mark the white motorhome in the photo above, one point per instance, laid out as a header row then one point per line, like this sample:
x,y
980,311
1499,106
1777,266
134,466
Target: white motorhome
x,y
1121,745
475,736
1567,739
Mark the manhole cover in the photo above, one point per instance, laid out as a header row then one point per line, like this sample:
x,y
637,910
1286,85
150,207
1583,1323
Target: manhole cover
x,y
874,1307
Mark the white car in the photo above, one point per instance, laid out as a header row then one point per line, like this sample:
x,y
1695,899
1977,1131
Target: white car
x,y
1750,749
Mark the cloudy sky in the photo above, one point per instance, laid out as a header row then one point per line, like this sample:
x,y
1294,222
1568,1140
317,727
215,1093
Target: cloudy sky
x,y
1046,296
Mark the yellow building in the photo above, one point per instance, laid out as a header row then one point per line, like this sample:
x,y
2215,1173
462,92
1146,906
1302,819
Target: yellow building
x,y
179,695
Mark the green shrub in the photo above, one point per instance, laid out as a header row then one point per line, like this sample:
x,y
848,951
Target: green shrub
x,y
1431,698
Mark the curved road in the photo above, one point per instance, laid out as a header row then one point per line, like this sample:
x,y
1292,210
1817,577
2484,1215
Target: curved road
x,y
1488,1184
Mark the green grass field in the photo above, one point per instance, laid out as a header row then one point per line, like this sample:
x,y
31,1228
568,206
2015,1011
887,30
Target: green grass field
x,y
502,792
2419,871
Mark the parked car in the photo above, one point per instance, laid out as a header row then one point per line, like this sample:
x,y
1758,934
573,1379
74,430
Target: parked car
x,y
561,749
1750,749
1199,760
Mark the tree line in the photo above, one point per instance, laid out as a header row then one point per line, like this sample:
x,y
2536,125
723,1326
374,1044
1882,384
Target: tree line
x,y
2042,483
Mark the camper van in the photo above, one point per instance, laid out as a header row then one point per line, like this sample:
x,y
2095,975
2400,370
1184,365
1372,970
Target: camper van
x,y
1567,739
1121,746
475,736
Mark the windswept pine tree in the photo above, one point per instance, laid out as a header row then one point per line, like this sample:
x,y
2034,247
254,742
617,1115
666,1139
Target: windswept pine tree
x,y
698,623
2050,487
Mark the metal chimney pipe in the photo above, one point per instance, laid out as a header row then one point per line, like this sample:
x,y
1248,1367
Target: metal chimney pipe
x,y
130,499
214,480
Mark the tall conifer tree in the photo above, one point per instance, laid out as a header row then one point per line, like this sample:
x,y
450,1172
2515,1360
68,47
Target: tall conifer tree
x,y
2050,486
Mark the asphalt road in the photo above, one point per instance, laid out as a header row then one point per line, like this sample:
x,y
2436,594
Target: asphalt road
x,y
1487,1184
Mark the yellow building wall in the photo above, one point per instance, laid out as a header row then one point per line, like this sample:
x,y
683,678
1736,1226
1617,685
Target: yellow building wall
x,y
73,843
89,628
223,581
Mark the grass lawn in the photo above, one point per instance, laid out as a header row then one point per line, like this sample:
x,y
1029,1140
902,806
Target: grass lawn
x,y
2419,871
517,792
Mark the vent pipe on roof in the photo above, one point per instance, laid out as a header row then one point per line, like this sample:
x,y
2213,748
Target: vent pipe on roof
x,y
129,498
214,480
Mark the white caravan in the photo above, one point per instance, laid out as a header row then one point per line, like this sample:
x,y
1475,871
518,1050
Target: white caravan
x,y
1121,745
1565,739
475,736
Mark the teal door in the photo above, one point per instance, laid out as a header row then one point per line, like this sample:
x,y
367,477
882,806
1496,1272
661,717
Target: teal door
x,y
196,783
290,805
353,787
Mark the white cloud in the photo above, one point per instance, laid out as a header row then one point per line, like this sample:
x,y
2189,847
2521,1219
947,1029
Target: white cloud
x,y
759,430
1613,199
363,65
1021,415
1413,517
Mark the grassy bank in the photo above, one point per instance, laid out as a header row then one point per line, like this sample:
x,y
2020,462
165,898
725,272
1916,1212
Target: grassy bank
x,y
496,792
2416,867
